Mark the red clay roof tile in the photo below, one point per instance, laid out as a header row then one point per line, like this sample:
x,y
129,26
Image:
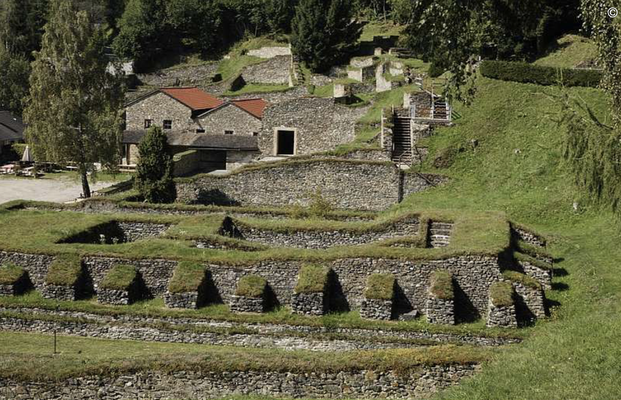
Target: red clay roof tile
x,y
193,97
253,106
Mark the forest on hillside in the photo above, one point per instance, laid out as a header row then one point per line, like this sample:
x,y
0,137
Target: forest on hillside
x,y
322,32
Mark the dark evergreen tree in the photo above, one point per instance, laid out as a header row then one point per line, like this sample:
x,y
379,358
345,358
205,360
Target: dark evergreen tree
x,y
154,172
14,73
142,31
21,25
280,15
321,39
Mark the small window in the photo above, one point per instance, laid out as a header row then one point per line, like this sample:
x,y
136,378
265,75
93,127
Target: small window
x,y
229,132
167,124
148,123
255,133
200,130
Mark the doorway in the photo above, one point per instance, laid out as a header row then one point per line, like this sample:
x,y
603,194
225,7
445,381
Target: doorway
x,y
285,142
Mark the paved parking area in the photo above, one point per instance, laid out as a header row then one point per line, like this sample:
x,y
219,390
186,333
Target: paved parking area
x,y
56,190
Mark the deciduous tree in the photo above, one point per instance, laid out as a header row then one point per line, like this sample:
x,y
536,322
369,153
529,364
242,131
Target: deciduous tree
x,y
74,108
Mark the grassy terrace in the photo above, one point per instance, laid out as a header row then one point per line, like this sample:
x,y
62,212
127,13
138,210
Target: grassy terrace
x,y
27,357
479,233
220,312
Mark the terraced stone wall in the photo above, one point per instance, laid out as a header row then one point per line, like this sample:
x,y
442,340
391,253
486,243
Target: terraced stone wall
x,y
196,385
347,185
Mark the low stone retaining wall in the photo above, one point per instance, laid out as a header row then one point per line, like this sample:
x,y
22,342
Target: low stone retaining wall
x,y
543,276
315,239
370,185
115,297
118,232
196,385
61,293
376,309
532,301
501,316
138,328
155,273
440,311
310,303
473,275
36,264
244,304
182,300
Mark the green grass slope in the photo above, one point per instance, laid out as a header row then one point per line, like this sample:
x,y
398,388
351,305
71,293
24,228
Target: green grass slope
x,y
569,51
516,168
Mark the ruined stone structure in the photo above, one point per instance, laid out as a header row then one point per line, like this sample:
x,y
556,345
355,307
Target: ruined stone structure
x,y
307,125
275,71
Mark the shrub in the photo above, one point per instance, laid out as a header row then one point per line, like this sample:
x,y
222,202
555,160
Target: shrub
x,y
312,279
320,206
441,285
120,277
66,270
154,173
529,73
188,277
501,294
380,287
10,274
251,286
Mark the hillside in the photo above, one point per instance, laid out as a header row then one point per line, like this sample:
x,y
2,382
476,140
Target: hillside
x,y
517,168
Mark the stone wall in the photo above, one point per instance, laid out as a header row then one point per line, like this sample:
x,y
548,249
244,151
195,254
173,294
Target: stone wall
x,y
159,107
289,337
188,76
115,297
543,276
193,385
501,316
230,118
473,276
186,163
371,186
531,302
270,52
275,71
274,97
310,303
61,293
141,230
319,124
440,311
317,239
181,300
35,264
243,304
155,273
376,309
528,237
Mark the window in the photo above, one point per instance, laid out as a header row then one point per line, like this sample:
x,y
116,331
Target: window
x,y
167,124
200,130
148,123
229,132
255,133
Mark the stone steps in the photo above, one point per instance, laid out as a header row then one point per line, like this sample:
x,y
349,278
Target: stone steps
x,y
439,234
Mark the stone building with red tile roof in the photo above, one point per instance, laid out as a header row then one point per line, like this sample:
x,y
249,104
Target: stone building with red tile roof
x,y
223,132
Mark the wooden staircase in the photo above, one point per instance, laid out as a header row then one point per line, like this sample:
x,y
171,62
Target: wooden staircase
x,y
439,234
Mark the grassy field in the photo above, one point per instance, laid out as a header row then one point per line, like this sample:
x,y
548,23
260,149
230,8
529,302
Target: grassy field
x,y
30,356
568,52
